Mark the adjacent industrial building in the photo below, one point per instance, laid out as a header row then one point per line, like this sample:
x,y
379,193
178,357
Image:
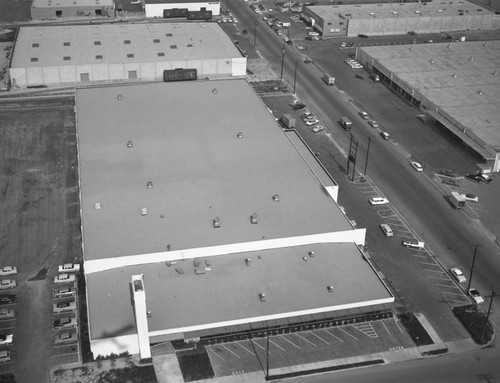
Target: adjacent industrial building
x,y
457,84
57,9
155,8
82,54
399,18
193,226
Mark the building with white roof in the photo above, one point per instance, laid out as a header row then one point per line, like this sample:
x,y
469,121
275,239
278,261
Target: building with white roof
x,y
81,54
457,84
52,9
155,8
229,222
399,18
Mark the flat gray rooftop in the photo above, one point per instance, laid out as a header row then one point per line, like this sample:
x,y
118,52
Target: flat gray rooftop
x,y
398,10
59,4
185,142
230,291
105,44
460,78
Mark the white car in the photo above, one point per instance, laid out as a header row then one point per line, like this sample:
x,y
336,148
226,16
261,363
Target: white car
x,y
378,201
385,135
457,274
66,337
64,322
373,123
476,296
64,292
6,339
69,268
318,128
417,166
343,45
364,115
65,278
8,270
312,122
7,284
313,34
7,314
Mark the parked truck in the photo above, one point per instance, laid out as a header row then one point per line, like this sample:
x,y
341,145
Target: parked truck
x,y
329,80
288,121
457,200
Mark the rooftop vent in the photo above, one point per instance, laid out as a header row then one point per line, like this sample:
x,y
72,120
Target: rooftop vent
x,y
372,13
480,92
130,144
144,211
494,73
216,223
394,12
439,11
311,254
148,314
179,270
411,48
253,218
97,206
329,288
454,75
119,97
262,297
449,46
417,11
471,58
276,198
149,185
432,61
214,91
305,258
239,135
485,44
248,261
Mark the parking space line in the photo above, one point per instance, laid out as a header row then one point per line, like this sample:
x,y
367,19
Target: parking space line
x,y
397,324
440,284
437,277
243,347
451,293
213,352
388,332
232,352
352,336
289,341
428,263
320,338
270,341
308,341
257,343
336,337
435,271
421,255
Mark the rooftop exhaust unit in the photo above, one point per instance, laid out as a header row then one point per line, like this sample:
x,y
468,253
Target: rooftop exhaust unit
x,y
329,288
130,144
149,185
248,261
311,254
119,97
480,92
304,258
454,75
276,198
144,211
216,223
262,297
253,219
214,91
97,206
239,135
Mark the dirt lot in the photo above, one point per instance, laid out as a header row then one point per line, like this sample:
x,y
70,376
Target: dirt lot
x,y
15,10
40,225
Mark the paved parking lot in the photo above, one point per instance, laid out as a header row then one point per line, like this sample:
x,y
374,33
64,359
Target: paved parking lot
x,y
287,349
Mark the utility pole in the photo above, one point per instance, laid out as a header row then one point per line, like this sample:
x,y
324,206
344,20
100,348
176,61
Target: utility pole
x,y
367,152
493,295
282,61
472,267
295,75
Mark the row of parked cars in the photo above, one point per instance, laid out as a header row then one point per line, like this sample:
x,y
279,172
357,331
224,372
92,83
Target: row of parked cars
x,y
64,306
7,313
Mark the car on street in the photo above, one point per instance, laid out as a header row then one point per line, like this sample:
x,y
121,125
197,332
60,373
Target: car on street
x,y
385,135
471,197
8,270
64,292
379,201
6,284
7,314
485,178
66,337
417,166
373,123
6,339
7,299
457,274
69,268
65,278
473,177
59,307
318,128
474,294
364,115
64,322
312,122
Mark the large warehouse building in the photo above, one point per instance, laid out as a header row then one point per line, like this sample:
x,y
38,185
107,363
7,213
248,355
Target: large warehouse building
x,y
155,8
457,84
48,9
197,222
399,18
63,55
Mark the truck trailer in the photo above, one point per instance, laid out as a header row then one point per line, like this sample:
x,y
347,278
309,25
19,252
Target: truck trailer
x,y
457,200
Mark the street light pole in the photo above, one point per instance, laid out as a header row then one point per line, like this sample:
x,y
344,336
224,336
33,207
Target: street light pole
x,y
282,61
472,267
227,6
295,75
367,152
255,23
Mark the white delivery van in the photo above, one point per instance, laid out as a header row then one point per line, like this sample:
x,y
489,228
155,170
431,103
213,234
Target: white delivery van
x,y
386,229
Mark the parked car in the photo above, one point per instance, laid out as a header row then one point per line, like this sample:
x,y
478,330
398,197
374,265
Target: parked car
x,y
65,278
476,296
379,201
318,128
457,274
64,292
448,173
69,268
6,339
385,135
473,177
373,123
485,178
60,307
363,36
7,314
413,244
64,322
417,166
313,33
6,284
299,106
312,122
66,337
7,299
364,115
471,197
343,44
386,229
8,270
5,356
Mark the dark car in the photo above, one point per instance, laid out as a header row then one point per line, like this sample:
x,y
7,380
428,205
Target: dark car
x,y
448,173
473,177
299,106
485,178
309,38
6,299
363,36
